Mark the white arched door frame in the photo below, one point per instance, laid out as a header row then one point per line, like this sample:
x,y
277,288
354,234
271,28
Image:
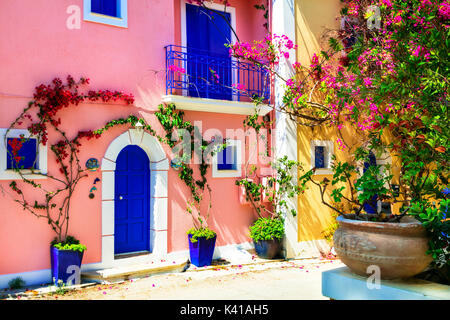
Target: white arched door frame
x,y
159,166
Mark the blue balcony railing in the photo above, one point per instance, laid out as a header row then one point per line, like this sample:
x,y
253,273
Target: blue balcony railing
x,y
198,73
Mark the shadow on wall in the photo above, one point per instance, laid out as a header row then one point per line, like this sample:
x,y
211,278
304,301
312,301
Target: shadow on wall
x,y
314,19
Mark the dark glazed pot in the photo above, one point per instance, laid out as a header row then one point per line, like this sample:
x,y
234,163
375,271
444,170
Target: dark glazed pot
x,y
398,249
269,249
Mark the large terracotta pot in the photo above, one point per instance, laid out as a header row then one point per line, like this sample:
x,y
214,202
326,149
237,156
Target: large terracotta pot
x,y
398,249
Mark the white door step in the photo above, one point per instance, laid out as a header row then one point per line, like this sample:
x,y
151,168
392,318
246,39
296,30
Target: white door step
x,y
134,271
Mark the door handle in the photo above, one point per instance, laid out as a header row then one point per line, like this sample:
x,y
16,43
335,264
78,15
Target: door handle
x,y
120,198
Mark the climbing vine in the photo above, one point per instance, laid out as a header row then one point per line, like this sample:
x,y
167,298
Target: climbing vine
x,y
41,116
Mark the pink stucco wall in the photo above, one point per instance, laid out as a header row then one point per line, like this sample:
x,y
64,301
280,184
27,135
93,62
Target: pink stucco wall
x,y
36,46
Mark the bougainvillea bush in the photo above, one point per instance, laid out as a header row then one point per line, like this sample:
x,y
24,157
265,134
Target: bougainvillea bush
x,y
384,78
51,201
391,86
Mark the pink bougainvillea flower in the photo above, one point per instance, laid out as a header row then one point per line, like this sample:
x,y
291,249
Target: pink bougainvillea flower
x,y
176,69
367,82
238,86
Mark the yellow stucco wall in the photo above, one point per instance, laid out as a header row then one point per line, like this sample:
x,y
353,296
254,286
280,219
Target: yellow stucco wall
x,y
313,19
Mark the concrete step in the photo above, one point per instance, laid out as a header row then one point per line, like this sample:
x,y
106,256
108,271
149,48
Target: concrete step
x,y
135,271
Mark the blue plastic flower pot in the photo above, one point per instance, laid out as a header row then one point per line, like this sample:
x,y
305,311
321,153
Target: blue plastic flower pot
x,y
64,264
268,249
201,252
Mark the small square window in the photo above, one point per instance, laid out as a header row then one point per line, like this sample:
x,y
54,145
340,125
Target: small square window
x,y
321,154
227,162
26,155
111,12
227,159
20,150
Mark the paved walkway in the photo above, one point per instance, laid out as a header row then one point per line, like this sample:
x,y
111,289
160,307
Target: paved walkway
x,y
285,280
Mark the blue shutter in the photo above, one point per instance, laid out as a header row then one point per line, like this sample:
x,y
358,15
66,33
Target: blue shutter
x,y
319,157
227,159
106,7
371,205
207,33
27,152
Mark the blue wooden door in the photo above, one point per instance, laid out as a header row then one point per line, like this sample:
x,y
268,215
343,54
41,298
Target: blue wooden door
x,y
132,198
208,61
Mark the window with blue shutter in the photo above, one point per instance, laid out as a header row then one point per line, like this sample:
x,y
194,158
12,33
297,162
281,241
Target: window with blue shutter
x,y
208,59
106,7
111,12
26,157
319,157
227,159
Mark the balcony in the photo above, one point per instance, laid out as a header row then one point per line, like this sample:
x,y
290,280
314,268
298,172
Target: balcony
x,y
198,80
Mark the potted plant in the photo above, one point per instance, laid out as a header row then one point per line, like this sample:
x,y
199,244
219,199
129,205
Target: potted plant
x,y
267,235
201,238
267,232
399,244
385,103
66,257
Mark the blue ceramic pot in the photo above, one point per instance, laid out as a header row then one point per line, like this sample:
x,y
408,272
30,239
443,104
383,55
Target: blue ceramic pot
x,y
201,252
64,263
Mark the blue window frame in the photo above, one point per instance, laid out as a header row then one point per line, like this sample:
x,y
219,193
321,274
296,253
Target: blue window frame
x,y
111,12
227,158
27,154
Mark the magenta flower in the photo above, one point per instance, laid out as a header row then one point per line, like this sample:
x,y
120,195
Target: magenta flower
x,y
367,82
238,86
176,69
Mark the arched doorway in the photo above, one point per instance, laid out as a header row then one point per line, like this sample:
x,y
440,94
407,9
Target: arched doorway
x,y
158,196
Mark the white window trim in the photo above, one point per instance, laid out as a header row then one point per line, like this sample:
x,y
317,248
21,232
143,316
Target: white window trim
x,y
216,173
122,22
9,174
329,151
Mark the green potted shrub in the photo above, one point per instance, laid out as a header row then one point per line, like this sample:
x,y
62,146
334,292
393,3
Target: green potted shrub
x,y
267,232
267,235
201,238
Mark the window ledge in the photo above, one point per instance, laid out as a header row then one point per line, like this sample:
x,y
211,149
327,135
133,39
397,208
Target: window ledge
x,y
213,105
13,175
323,171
